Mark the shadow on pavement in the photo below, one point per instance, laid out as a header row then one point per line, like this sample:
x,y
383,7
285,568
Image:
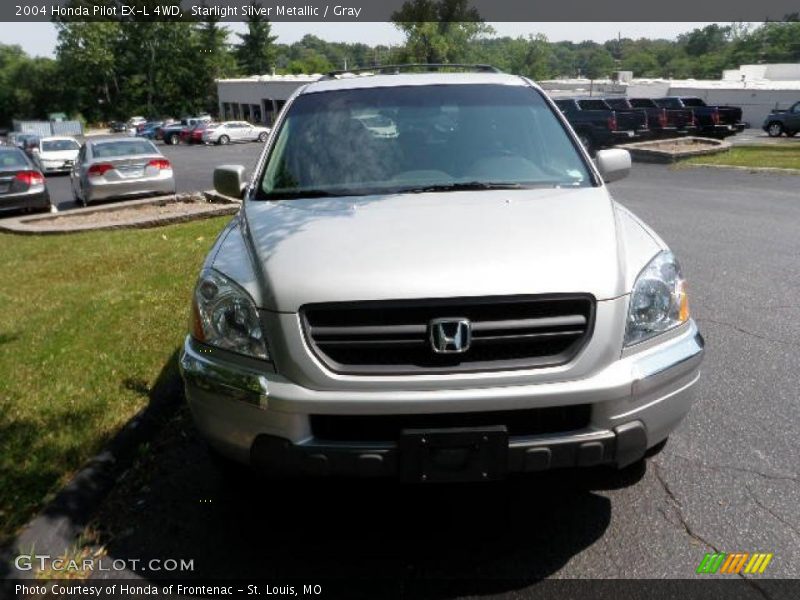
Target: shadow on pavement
x,y
445,540
67,515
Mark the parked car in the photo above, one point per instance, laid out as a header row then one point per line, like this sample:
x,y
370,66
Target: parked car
x,y
148,130
234,131
117,127
679,121
453,303
595,129
120,168
56,154
627,119
22,185
193,134
783,121
171,134
711,121
660,122
23,141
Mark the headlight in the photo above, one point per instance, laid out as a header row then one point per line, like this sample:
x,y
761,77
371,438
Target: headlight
x,y
224,315
658,301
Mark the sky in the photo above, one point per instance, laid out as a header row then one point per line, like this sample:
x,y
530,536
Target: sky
x,y
39,39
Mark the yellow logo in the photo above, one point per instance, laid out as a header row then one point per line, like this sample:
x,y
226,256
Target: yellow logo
x,y
734,563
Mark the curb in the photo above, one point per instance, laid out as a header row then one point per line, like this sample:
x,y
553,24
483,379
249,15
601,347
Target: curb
x,y
27,225
57,527
776,170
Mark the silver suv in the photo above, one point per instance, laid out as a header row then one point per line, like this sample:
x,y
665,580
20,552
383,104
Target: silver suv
x,y
428,279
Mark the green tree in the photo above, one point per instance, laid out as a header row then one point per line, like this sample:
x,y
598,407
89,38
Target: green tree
x,y
86,53
531,57
256,52
439,31
217,60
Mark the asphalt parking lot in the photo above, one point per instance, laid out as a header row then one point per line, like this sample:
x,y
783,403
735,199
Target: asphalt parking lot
x,y
727,481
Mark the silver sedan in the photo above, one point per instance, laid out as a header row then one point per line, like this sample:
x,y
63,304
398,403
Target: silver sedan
x,y
235,131
120,168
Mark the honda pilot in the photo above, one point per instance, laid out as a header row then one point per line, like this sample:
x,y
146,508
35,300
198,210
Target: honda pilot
x,y
428,279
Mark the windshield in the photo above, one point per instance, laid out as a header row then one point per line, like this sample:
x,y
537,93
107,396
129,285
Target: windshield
x,y
420,138
59,145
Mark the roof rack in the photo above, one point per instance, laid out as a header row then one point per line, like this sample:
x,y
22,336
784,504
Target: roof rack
x,y
397,69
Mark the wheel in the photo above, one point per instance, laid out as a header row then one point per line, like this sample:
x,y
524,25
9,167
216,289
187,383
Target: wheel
x,y
774,129
172,140
224,140
262,137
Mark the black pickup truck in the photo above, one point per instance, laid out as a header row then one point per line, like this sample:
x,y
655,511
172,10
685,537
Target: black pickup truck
x,y
783,121
598,125
663,122
712,121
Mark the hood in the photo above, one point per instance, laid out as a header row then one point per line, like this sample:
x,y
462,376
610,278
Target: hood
x,y
435,245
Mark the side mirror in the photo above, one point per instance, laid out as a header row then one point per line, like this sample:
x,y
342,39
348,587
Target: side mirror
x,y
613,164
229,180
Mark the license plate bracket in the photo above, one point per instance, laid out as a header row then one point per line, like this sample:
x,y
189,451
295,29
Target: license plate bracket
x,y
454,454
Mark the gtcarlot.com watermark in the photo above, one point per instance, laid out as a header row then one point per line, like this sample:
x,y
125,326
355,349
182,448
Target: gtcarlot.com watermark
x,y
61,564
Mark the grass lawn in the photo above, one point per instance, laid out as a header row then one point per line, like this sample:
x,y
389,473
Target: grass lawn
x,y
88,322
776,155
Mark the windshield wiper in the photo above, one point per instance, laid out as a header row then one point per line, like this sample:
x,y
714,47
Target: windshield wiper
x,y
302,193
464,187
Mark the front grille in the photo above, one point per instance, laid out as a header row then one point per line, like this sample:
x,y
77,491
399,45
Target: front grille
x,y
387,428
394,337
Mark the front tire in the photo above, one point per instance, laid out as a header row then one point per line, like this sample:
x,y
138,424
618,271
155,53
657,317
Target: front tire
x,y
262,137
224,140
774,129
172,140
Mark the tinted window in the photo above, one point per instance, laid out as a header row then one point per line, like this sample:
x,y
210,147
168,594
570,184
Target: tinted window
x,y
620,103
379,140
593,105
12,159
642,103
669,103
693,102
116,149
59,145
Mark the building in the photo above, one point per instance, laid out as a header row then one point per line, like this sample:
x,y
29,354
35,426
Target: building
x,y
257,99
757,89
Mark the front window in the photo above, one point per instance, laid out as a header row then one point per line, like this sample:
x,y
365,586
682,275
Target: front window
x,y
59,145
420,138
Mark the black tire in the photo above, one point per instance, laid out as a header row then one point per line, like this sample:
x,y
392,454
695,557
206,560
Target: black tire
x,y
262,137
224,140
172,139
774,129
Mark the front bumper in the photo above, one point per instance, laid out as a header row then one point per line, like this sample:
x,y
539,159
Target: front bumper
x,y
36,200
259,417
